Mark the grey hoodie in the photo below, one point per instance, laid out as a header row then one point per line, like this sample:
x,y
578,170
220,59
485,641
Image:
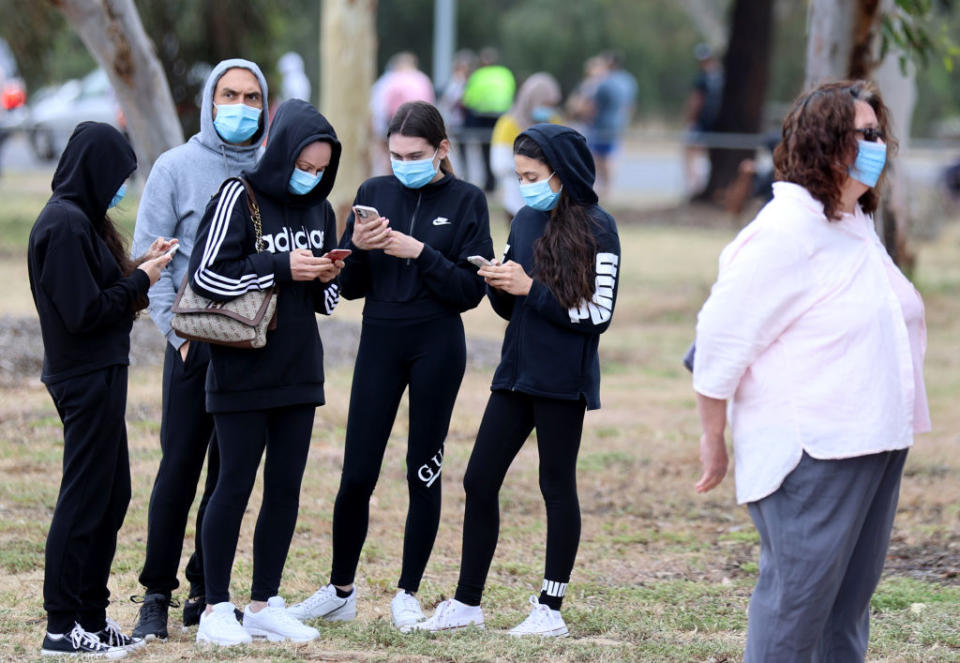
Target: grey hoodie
x,y
181,184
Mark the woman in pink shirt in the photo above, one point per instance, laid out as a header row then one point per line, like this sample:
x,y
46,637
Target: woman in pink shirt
x,y
813,341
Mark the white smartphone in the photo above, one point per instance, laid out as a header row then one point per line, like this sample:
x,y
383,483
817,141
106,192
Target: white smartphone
x,y
479,261
170,251
365,213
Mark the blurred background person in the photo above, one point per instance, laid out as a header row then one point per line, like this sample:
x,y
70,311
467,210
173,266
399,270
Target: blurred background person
x,y
450,104
700,116
488,95
579,104
536,102
295,83
402,82
613,104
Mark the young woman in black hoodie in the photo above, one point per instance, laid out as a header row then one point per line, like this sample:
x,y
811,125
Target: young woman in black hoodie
x,y
411,266
87,293
557,286
265,399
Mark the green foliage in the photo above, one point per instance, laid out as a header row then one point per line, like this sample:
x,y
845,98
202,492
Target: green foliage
x,y
910,28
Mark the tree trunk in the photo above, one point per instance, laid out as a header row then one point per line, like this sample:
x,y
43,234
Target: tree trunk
x,y
841,43
348,51
113,33
829,30
746,69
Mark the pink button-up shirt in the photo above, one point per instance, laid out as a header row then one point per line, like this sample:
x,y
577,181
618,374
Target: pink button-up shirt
x,y
815,339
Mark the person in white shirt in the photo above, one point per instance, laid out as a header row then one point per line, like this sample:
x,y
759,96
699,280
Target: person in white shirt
x,y
813,341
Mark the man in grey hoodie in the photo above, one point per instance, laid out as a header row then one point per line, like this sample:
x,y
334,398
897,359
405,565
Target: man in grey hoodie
x,y
233,124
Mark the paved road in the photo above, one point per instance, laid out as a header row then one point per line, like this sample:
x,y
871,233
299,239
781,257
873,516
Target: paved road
x,y
648,169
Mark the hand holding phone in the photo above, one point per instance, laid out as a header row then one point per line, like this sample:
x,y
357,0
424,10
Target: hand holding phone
x,y
479,261
337,254
170,251
365,214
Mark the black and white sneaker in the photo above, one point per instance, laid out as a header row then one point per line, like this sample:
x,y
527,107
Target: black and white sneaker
x,y
112,636
78,642
152,618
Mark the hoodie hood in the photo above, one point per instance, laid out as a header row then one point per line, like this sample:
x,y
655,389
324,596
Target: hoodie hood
x,y
95,162
295,125
569,157
208,135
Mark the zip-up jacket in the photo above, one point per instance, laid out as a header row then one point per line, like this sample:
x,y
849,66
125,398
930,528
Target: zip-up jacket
x,y
225,265
450,217
86,305
179,187
548,349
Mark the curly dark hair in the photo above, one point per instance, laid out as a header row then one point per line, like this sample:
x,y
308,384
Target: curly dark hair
x,y
819,142
564,256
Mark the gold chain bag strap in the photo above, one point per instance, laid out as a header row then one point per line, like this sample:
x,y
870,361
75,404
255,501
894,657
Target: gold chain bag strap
x,y
242,322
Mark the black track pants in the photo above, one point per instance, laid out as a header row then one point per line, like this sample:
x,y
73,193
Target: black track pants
x,y
507,422
430,358
93,499
242,437
186,433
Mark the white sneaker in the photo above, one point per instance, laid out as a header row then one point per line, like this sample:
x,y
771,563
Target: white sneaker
x,y
221,627
327,605
449,615
542,621
276,624
406,610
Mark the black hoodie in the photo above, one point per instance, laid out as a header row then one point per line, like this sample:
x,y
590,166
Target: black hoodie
x,y
225,264
549,350
85,303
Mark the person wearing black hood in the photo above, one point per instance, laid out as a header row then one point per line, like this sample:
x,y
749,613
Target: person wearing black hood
x,y
87,293
556,285
266,398
416,281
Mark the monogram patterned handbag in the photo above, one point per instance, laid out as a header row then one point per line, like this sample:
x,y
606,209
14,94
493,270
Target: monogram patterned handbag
x,y
240,323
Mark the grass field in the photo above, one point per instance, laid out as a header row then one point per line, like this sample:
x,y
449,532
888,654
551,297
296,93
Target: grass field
x,y
662,574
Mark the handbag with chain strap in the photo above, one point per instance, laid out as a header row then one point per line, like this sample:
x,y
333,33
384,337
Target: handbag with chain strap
x,y
242,322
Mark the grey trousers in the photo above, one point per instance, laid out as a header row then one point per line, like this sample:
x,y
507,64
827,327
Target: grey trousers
x,y
824,535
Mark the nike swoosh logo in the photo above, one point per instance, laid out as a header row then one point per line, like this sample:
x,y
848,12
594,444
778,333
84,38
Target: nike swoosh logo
x,y
441,221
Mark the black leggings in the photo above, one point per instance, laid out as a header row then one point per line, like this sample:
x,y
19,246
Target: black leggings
x,y
186,434
507,422
430,357
242,436
94,493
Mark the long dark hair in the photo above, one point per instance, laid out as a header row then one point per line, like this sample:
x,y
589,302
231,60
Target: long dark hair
x,y
819,142
564,256
117,245
419,119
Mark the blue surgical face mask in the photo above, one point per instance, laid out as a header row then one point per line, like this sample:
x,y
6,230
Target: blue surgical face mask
x,y
118,196
539,195
414,174
541,114
869,163
236,123
302,182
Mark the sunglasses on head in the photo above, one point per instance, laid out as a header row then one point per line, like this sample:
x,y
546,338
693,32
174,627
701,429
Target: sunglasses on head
x,y
871,134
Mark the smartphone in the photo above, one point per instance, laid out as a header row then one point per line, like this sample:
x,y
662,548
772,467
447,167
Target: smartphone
x,y
479,261
366,214
170,251
337,254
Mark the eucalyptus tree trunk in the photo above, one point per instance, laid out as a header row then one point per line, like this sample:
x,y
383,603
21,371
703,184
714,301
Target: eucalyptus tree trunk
x,y
842,43
114,35
348,51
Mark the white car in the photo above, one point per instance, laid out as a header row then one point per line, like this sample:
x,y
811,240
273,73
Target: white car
x,y
54,112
